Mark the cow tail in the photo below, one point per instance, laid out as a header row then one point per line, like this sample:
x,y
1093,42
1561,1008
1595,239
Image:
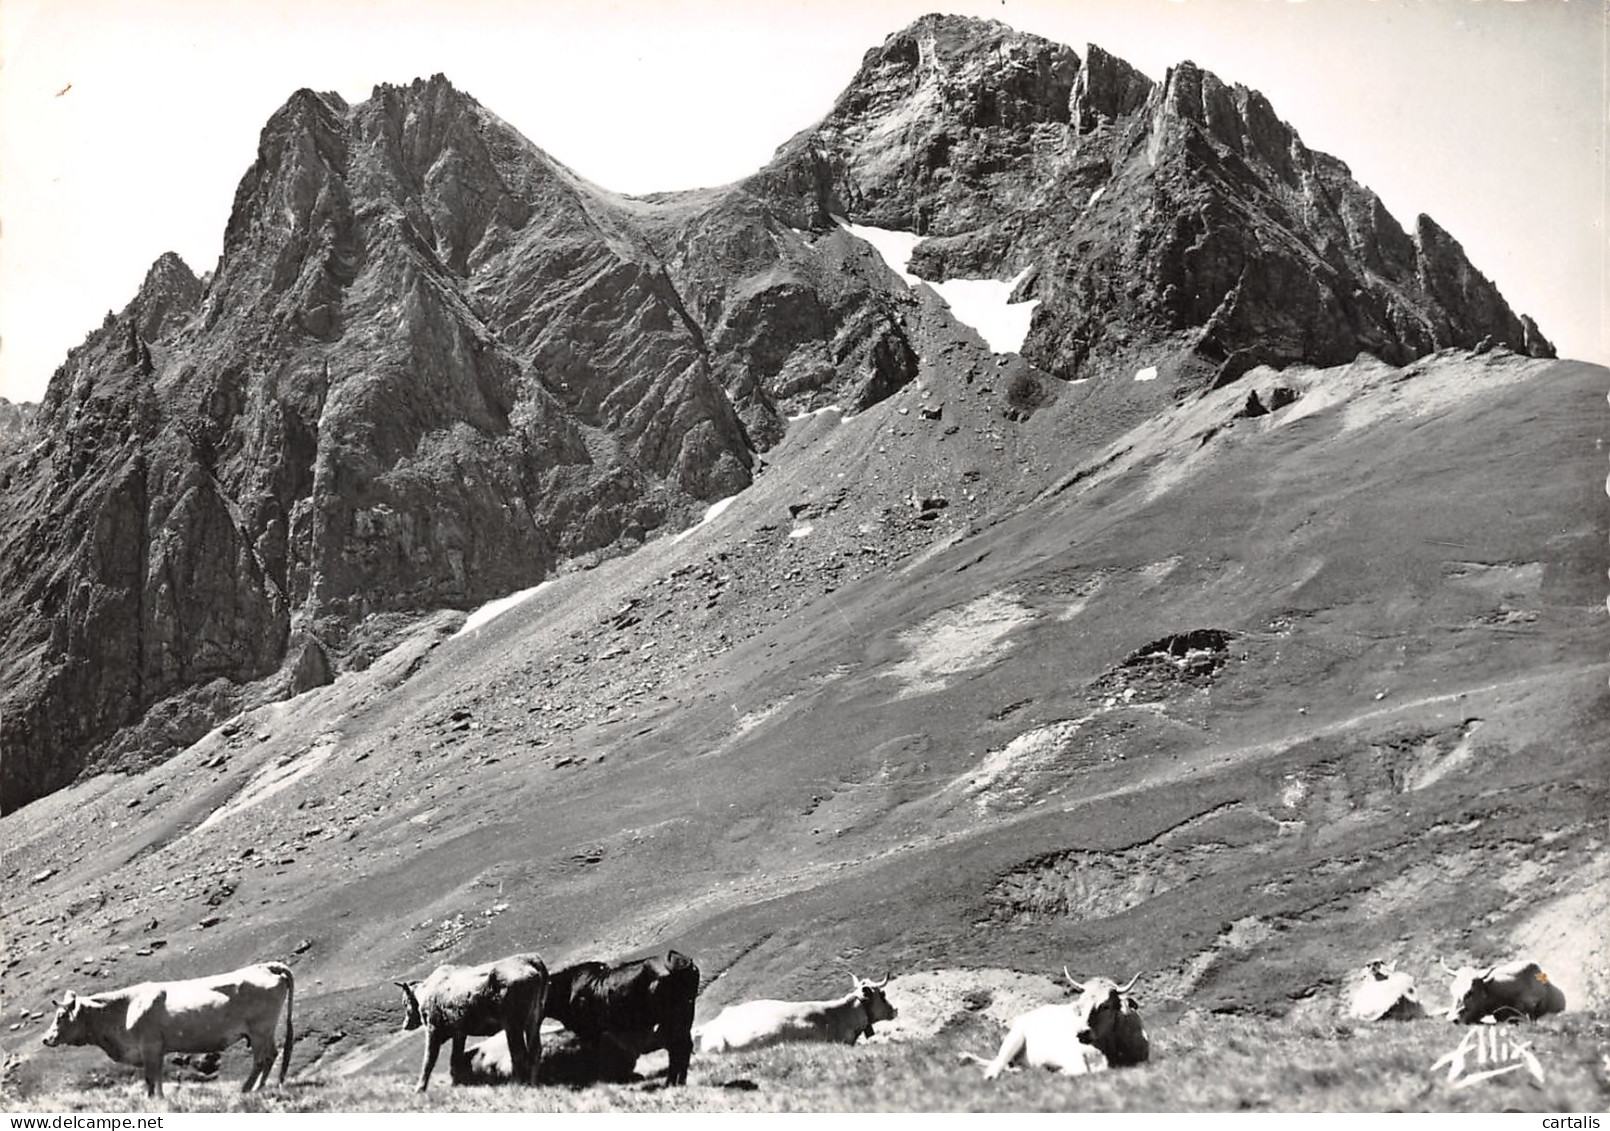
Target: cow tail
x,y
290,1000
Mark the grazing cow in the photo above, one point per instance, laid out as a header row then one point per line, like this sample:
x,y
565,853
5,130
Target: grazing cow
x,y
1509,992
1385,994
758,1023
622,1012
1101,1029
141,1024
457,1002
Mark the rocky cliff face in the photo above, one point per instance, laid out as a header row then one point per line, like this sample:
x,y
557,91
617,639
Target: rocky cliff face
x,y
433,364
16,422
1178,224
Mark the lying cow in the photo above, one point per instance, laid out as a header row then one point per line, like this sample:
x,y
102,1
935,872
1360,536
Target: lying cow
x,y
625,1011
1509,992
1385,994
1101,1029
457,1002
141,1024
755,1024
564,1060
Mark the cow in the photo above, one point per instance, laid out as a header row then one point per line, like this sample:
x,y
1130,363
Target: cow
x,y
621,1012
1509,992
755,1024
141,1024
1385,994
457,1002
1101,1029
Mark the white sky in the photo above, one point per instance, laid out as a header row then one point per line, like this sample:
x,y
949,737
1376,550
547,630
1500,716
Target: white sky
x,y
1487,114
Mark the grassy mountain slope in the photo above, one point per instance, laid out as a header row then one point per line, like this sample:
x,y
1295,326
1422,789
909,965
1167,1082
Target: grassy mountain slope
x,y
1239,703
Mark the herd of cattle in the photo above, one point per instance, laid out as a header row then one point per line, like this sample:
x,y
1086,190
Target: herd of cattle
x,y
617,1013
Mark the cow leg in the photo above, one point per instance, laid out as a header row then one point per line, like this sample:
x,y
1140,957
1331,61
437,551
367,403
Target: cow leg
x,y
678,1034
433,1045
263,1053
153,1071
522,1061
519,1054
457,1062
1011,1048
680,1048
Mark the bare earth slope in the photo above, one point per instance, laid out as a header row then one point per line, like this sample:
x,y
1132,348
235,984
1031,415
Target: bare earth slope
x,y
1239,702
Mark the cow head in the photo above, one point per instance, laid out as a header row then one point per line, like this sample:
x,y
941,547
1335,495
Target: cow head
x,y
872,1000
415,1018
68,1026
1467,991
1380,970
1101,1009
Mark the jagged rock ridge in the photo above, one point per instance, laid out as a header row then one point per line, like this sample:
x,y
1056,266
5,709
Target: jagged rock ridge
x,y
433,364
1182,212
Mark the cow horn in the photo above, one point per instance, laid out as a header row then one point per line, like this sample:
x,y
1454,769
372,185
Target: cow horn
x,y
1129,985
880,985
1446,969
1076,985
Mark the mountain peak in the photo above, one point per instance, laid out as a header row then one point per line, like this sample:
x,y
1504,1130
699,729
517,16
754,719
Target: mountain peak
x,y
167,297
433,365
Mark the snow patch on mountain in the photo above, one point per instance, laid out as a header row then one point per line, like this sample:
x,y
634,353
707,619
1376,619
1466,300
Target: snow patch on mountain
x,y
983,304
498,607
710,515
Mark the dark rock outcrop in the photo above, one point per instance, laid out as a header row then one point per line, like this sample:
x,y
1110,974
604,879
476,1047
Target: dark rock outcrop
x,y
16,426
431,364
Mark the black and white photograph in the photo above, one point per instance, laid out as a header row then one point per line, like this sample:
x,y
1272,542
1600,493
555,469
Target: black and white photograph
x,y
701,556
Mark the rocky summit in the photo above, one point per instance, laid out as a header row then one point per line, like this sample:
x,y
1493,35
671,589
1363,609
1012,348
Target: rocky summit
x,y
433,365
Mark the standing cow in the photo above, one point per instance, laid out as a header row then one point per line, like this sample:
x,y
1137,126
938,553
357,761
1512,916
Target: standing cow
x,y
622,1012
457,1002
1509,992
766,1022
1099,1030
141,1024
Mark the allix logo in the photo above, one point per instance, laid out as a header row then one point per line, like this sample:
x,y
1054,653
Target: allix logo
x,y
1487,1051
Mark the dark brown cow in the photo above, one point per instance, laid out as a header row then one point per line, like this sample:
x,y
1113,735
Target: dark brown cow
x,y
622,1012
1509,992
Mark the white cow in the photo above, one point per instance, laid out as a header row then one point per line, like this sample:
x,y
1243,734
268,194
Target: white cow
x,y
459,1002
1099,1030
143,1023
1385,994
755,1024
